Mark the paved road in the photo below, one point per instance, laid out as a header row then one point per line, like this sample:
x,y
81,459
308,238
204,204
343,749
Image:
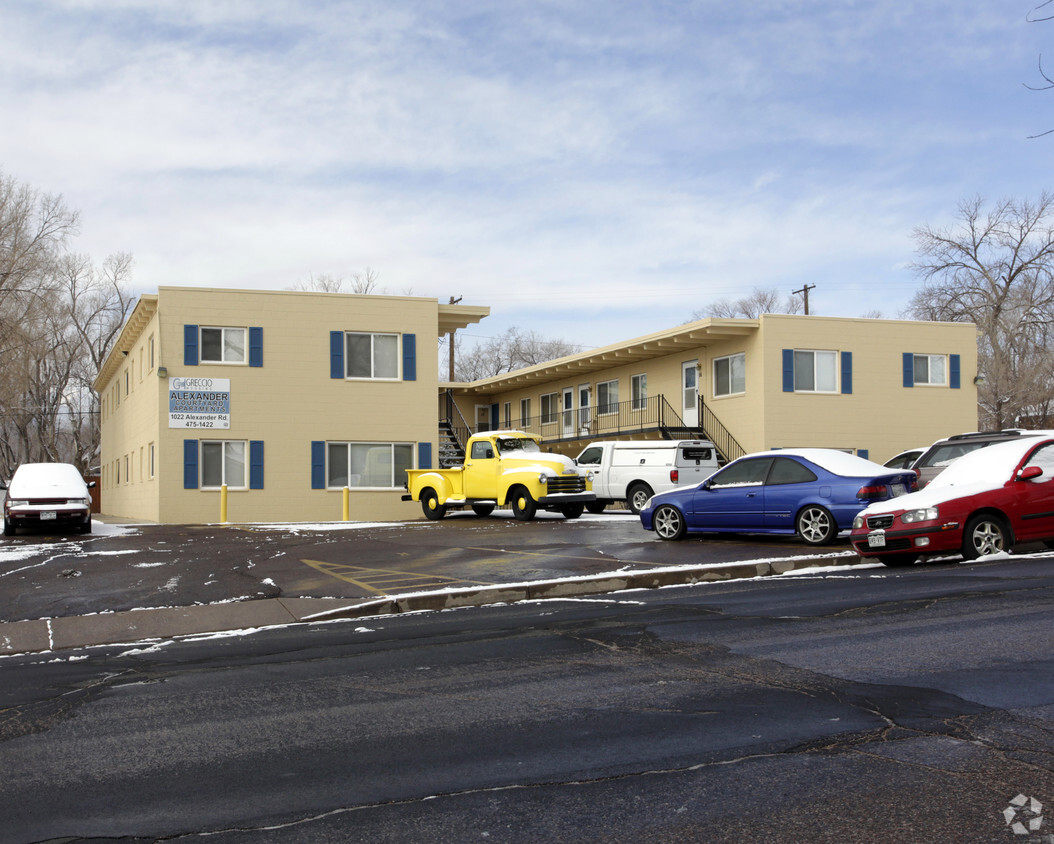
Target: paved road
x,y
860,706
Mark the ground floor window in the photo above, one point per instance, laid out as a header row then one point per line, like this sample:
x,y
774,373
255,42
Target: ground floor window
x,y
374,465
223,464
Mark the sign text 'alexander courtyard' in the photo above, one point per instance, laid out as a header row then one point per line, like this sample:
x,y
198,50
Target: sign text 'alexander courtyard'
x,y
199,403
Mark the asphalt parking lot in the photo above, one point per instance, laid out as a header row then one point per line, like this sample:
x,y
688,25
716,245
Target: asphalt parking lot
x,y
303,570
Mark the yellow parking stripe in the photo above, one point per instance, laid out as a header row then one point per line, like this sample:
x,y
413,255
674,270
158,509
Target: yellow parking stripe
x,y
384,581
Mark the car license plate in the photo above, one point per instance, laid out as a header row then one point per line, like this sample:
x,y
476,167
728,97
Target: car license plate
x,y
47,515
876,539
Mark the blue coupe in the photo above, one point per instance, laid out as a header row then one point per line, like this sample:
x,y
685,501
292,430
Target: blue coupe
x,y
812,492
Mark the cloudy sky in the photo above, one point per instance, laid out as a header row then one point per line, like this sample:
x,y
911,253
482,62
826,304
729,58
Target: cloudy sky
x,y
592,170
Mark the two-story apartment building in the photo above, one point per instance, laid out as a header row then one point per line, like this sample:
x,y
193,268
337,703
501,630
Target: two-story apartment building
x,y
287,398
872,387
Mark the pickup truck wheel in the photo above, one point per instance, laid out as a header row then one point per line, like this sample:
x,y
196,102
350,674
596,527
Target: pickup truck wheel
x,y
431,506
572,511
637,496
482,509
523,506
595,506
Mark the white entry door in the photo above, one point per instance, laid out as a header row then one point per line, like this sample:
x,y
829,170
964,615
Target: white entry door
x,y
567,422
585,401
690,393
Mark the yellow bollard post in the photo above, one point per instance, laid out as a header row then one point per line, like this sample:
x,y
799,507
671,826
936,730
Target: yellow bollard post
x,y
347,505
223,504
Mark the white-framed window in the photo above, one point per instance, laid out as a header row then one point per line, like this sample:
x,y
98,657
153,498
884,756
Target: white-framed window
x,y
638,389
223,463
507,414
550,408
931,370
730,375
367,465
153,469
525,412
815,372
607,397
373,356
151,346
222,345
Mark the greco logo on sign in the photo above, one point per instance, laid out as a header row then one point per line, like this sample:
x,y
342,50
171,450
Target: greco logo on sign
x,y
199,403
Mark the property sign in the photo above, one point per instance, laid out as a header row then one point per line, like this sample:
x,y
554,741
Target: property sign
x,y
199,403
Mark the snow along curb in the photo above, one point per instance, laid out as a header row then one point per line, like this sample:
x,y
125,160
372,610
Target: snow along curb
x,y
144,625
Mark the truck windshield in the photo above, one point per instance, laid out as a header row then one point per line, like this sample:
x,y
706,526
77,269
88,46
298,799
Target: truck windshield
x,y
505,446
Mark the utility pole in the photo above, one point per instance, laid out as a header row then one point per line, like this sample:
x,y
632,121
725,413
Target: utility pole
x,y
805,292
453,301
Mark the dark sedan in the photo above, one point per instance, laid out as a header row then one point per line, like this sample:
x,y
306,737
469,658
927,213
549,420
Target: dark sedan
x,y
811,492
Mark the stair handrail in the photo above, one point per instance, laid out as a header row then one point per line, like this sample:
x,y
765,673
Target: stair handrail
x,y
450,414
718,434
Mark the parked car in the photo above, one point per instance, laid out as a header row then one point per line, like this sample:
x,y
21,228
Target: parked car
x,y
982,504
634,470
47,495
942,453
906,459
811,492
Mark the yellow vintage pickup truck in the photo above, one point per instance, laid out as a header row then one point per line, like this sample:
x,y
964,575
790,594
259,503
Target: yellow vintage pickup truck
x,y
502,468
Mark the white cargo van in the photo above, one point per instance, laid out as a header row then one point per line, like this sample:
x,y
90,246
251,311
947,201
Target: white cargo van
x,y
634,470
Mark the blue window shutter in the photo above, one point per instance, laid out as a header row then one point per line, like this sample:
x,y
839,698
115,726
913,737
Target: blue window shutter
x,y
256,464
190,345
255,347
788,370
847,372
190,464
409,357
336,354
909,369
953,366
863,452
318,465
424,455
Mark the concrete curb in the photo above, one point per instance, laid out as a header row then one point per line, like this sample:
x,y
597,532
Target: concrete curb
x,y
147,625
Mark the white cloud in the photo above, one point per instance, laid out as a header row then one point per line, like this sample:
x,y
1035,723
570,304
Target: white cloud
x,y
650,155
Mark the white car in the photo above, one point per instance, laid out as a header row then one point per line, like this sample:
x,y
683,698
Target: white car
x,y
45,495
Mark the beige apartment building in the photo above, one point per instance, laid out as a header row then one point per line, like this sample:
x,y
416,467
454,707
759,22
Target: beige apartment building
x,y
286,399
870,387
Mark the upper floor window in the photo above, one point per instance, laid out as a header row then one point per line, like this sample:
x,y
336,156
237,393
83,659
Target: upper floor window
x,y
815,372
550,407
638,388
525,412
372,355
730,375
222,345
931,369
607,397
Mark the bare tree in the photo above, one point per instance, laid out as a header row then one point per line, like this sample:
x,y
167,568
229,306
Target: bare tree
x,y
515,349
759,301
1038,16
59,318
995,268
365,282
